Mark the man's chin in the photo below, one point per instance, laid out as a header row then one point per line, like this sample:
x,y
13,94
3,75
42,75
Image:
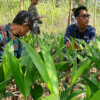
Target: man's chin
x,y
86,24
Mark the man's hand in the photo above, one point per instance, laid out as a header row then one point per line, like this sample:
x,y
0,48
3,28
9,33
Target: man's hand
x,y
41,16
76,46
68,45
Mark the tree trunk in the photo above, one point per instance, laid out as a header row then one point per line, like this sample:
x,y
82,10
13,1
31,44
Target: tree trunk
x,y
21,4
70,12
95,13
80,2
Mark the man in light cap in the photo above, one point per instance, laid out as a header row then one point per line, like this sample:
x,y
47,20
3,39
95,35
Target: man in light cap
x,y
20,26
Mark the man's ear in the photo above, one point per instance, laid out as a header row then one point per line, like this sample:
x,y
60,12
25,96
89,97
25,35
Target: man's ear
x,y
76,18
25,24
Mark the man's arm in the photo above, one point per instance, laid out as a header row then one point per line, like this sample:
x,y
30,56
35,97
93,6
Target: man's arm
x,y
68,33
67,36
92,34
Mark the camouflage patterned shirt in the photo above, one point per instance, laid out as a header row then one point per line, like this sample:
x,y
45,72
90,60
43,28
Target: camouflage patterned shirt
x,y
33,10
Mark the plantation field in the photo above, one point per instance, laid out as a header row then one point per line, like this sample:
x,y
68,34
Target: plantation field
x,y
55,13
47,70
45,59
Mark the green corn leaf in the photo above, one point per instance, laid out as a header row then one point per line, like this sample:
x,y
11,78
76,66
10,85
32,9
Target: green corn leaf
x,y
94,53
7,94
16,71
50,97
60,65
39,64
74,94
80,57
7,72
73,47
92,86
61,43
6,68
80,71
65,94
1,73
96,96
88,93
50,66
58,51
74,70
3,84
37,92
23,60
69,58
29,77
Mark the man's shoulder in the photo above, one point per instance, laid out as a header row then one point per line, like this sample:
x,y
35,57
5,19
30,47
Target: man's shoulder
x,y
72,26
89,27
31,7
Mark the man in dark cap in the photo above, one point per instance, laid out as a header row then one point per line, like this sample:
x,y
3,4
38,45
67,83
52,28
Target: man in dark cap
x,y
20,26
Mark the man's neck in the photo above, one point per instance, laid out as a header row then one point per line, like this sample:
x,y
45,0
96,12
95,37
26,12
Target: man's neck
x,y
81,26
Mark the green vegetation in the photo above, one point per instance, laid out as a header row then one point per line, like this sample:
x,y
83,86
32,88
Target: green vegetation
x,y
55,13
49,66
53,63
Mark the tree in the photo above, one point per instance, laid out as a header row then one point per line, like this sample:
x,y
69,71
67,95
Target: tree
x,y
70,12
21,4
80,2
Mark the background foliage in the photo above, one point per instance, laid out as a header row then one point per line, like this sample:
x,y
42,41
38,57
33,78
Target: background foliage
x,y
55,13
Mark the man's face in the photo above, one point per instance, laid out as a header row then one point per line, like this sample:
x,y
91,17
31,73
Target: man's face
x,y
83,18
20,30
34,2
24,28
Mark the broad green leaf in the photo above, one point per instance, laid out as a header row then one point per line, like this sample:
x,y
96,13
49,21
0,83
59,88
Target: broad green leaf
x,y
74,69
50,66
50,97
58,51
7,72
61,43
6,68
92,86
37,92
60,65
74,94
96,96
29,77
39,64
93,79
88,93
65,94
69,58
23,60
1,73
73,47
7,94
94,53
3,84
80,70
16,71
80,57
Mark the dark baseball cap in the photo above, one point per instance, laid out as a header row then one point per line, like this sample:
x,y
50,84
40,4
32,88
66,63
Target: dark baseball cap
x,y
24,17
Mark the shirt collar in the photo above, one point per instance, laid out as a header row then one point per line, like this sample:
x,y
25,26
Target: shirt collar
x,y
76,28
